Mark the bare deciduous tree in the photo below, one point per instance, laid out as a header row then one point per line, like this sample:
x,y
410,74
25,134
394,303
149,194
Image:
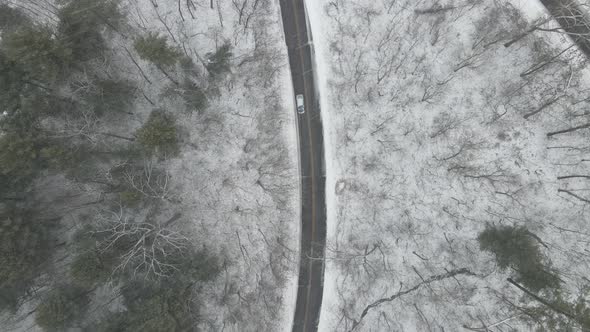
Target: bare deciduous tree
x,y
149,180
144,248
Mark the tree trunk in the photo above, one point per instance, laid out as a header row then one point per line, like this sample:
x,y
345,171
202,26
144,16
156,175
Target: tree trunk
x,y
544,106
574,195
536,68
130,139
168,75
573,176
569,130
546,303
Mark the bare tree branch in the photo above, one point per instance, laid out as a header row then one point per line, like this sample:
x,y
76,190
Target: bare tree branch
x,y
450,274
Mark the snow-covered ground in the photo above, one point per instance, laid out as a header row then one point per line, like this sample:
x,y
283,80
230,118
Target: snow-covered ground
x,y
236,177
434,129
238,173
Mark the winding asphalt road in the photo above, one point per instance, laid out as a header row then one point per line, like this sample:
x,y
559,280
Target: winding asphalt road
x,y
313,178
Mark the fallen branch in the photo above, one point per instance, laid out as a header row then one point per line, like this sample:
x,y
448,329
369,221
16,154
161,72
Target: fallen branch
x,y
549,305
485,328
544,106
542,65
428,281
572,194
130,139
137,65
569,130
434,10
573,176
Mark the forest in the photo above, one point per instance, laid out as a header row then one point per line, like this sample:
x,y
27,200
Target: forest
x,y
457,149
147,171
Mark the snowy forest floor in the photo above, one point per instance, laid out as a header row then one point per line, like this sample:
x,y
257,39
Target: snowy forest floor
x,y
435,130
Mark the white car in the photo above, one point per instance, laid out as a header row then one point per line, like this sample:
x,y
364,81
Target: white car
x,y
300,104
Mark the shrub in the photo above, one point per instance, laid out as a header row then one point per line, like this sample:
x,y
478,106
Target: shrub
x,y
91,268
110,96
188,67
11,81
22,152
93,12
111,322
83,238
199,265
548,318
18,162
218,62
23,105
155,49
158,306
193,96
60,157
158,134
10,295
18,154
165,304
23,246
130,198
515,247
61,308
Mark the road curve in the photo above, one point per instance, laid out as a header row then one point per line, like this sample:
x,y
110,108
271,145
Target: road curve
x,y
313,179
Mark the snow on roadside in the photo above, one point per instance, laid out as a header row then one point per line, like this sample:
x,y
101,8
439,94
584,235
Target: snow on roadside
x,y
316,21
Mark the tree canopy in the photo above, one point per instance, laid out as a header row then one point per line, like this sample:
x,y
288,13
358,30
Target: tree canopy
x,y
12,18
155,48
80,22
218,62
110,96
36,50
193,96
167,304
162,306
159,133
19,154
516,247
91,267
61,308
24,246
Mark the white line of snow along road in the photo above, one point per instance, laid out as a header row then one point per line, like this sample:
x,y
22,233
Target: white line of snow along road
x,y
315,12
